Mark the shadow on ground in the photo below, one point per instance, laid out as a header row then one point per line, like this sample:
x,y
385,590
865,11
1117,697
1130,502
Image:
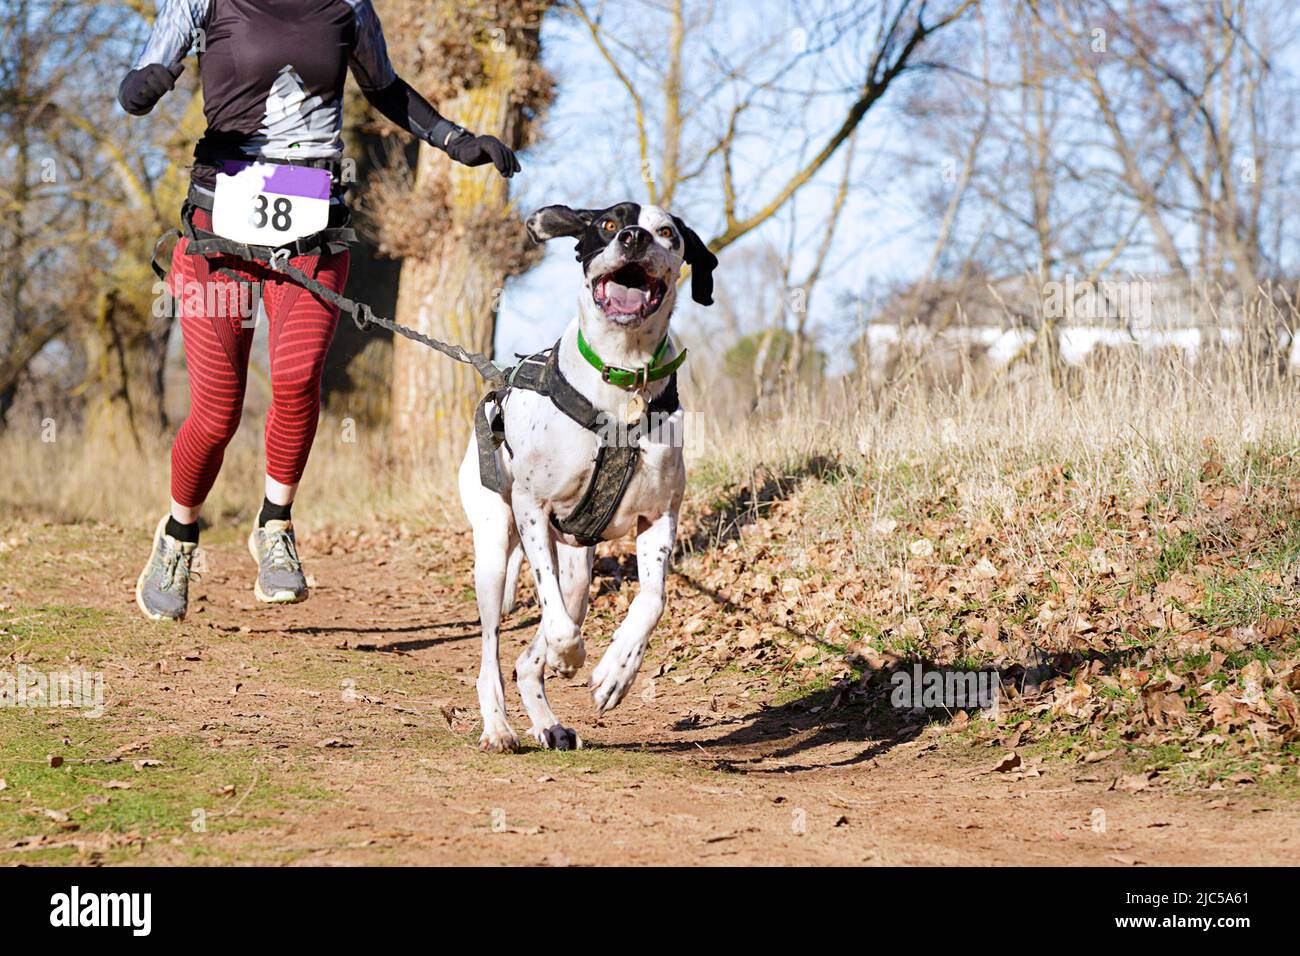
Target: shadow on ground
x,y
470,629
859,712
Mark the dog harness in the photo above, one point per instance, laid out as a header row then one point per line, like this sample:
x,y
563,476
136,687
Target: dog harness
x,y
615,461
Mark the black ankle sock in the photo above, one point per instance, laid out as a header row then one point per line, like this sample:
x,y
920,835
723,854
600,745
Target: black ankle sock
x,y
188,533
273,512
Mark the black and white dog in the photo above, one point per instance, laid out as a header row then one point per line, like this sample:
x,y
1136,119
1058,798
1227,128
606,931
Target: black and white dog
x,y
632,256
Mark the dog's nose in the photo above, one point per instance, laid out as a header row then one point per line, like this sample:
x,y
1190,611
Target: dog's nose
x,y
633,238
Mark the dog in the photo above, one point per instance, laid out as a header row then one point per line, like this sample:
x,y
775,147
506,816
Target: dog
x,y
632,257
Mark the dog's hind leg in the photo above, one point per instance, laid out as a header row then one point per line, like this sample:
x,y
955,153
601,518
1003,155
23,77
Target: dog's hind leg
x,y
613,676
490,558
512,579
494,537
530,669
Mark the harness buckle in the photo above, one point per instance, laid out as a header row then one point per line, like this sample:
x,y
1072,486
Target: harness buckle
x,y
640,377
279,259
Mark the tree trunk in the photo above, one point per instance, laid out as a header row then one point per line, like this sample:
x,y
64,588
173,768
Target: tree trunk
x,y
450,298
450,289
16,358
451,292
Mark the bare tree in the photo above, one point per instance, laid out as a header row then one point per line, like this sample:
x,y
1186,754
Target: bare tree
x,y
37,211
1185,96
1145,137
696,135
86,197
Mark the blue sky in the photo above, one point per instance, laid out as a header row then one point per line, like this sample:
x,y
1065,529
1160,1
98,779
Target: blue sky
x,y
588,157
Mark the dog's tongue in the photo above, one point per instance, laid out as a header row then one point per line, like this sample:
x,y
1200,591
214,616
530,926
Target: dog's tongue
x,y
624,299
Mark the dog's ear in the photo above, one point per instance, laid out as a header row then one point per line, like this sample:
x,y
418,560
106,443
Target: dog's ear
x,y
552,221
702,262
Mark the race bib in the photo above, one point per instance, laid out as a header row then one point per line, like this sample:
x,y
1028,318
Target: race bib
x,y
270,204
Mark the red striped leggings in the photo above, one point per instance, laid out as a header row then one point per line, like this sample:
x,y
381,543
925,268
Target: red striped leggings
x,y
218,318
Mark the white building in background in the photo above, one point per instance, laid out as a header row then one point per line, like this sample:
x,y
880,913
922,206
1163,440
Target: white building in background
x,y
995,323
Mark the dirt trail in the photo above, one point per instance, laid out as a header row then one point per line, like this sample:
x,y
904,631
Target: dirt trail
x,y
364,697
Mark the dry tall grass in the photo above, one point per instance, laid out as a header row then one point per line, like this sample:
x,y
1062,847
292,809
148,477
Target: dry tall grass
x,y
350,479
1127,423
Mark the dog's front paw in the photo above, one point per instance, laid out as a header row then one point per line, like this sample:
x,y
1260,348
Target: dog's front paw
x,y
613,677
556,737
501,740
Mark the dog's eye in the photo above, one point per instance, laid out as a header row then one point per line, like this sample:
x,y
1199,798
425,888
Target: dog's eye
x,y
609,225
666,232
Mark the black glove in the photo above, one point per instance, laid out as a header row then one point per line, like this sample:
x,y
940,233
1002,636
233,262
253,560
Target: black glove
x,y
477,150
141,89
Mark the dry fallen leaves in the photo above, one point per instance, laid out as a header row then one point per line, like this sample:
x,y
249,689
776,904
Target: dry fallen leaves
x,y
1133,782
1094,756
1108,616
1008,763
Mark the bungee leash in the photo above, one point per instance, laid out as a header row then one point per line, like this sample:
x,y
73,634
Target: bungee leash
x,y
278,260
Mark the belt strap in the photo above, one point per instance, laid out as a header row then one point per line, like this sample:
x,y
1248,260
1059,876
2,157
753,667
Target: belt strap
x,y
201,242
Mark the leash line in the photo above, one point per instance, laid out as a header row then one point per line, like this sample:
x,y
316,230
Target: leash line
x,y
363,316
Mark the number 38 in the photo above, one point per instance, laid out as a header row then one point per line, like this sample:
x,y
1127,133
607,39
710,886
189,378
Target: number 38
x,y
279,217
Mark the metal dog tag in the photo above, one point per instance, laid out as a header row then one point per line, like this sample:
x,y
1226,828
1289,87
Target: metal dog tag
x,y
634,409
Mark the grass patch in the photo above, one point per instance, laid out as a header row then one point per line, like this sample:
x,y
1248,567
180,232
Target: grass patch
x,y
195,794
1237,600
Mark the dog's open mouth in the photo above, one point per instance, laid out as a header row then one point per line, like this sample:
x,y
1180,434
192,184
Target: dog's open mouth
x,y
628,293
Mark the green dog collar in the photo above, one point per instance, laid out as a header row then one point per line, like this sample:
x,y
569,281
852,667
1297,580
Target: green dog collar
x,y
631,379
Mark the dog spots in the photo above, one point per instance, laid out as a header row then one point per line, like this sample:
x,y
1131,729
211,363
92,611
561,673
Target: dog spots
x,y
546,477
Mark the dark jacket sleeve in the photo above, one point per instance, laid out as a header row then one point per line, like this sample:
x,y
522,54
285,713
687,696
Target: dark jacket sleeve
x,y
402,105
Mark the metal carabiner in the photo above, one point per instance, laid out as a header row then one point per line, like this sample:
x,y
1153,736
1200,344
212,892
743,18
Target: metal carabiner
x,y
361,316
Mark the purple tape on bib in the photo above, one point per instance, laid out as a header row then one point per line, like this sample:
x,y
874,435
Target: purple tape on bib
x,y
305,181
